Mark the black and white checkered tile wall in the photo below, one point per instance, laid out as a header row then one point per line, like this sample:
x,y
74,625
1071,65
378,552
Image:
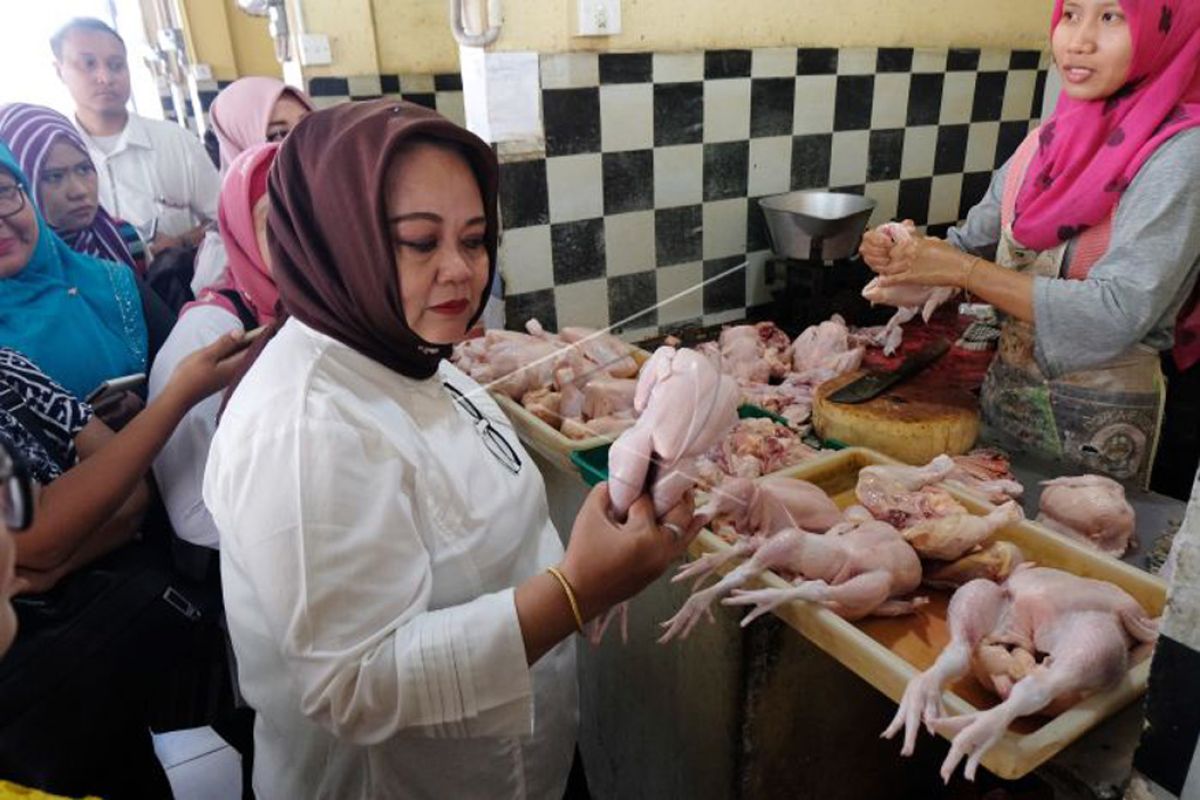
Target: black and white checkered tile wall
x,y
442,92
654,163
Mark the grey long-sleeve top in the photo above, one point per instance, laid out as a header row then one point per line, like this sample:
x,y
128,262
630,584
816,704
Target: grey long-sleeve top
x,y
1134,292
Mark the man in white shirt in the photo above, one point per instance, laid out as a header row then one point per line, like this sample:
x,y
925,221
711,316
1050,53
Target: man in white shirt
x,y
153,174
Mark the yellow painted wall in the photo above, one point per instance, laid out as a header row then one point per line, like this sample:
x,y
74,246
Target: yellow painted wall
x,y
663,25
206,28
252,47
350,26
414,36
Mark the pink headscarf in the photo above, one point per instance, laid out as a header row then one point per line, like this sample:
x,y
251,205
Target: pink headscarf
x,y
247,272
241,112
1090,150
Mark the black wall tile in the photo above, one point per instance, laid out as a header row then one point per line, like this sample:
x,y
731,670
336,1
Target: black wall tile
x,y
524,197
329,87
390,84
925,98
811,155
726,169
726,64
539,305
757,235
678,113
625,67
974,187
989,96
884,155
572,120
914,199
951,153
1024,59
677,235
628,181
422,99
1039,95
855,96
727,293
1010,138
962,60
630,295
772,102
578,250
894,59
816,61
448,82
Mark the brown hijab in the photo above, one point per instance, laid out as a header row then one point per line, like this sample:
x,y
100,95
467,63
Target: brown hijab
x,y
331,247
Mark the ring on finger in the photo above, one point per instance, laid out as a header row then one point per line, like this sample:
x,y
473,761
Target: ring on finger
x,y
675,531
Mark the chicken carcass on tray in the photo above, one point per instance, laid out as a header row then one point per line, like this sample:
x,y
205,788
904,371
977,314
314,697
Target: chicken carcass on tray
x,y
1091,509
1041,640
754,447
987,471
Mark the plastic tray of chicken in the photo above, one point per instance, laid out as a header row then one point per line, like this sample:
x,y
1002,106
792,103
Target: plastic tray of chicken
x,y
890,651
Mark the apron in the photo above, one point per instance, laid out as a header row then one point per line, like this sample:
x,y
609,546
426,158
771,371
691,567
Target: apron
x,y
1105,419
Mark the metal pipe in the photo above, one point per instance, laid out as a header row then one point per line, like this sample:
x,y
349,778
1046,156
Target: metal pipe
x,y
490,35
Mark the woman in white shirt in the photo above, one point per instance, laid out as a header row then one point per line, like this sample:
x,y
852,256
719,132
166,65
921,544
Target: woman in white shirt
x,y
245,299
385,540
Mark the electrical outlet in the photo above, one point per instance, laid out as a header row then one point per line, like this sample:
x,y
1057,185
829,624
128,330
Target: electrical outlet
x,y
599,17
315,50
202,72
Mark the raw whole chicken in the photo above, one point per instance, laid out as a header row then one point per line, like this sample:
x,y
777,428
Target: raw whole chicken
x,y
603,349
952,537
995,562
606,397
770,505
685,407
1084,627
1091,509
854,569
755,353
903,495
907,300
824,349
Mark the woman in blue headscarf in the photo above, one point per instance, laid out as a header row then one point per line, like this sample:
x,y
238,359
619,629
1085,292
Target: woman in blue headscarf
x,y
81,319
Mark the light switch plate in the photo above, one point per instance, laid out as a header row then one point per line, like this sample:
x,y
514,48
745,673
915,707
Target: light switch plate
x,y
315,50
202,72
599,17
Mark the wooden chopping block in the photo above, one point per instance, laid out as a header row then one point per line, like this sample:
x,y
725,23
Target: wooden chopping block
x,y
914,421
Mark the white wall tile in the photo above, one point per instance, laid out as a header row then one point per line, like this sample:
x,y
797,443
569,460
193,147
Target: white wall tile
x,y
526,259
451,106
848,162
576,187
724,228
773,62
570,70
926,60
815,99
1018,95
889,108
678,175
958,96
981,146
857,61
678,67
582,303
770,165
629,242
364,85
886,194
758,290
920,148
995,60
944,198
727,110
677,279
626,117
417,84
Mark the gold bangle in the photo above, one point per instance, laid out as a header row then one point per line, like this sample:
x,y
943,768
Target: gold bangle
x,y
566,585
969,270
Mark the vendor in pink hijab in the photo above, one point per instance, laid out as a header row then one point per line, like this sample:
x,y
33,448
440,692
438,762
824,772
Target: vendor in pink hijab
x,y
254,111
245,299
1087,243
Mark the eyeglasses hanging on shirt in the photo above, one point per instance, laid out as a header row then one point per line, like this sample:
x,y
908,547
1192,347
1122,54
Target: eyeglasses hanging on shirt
x,y
16,492
496,444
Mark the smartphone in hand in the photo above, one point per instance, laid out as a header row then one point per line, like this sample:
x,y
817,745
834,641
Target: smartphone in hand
x,y
115,385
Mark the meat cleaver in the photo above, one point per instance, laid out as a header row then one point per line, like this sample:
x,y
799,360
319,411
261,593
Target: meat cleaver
x,y
873,384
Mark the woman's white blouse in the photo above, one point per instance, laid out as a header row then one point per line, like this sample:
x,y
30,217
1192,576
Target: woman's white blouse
x,y
370,543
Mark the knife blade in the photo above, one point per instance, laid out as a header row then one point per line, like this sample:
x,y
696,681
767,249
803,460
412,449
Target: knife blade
x,y
873,384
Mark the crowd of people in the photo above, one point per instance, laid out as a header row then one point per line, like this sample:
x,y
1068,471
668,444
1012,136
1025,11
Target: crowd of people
x,y
397,603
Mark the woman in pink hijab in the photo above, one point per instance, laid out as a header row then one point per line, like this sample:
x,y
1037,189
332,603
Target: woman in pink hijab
x,y
245,299
1087,242
253,111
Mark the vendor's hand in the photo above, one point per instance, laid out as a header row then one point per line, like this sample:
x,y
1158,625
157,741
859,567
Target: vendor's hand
x,y
925,261
207,370
608,562
876,247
